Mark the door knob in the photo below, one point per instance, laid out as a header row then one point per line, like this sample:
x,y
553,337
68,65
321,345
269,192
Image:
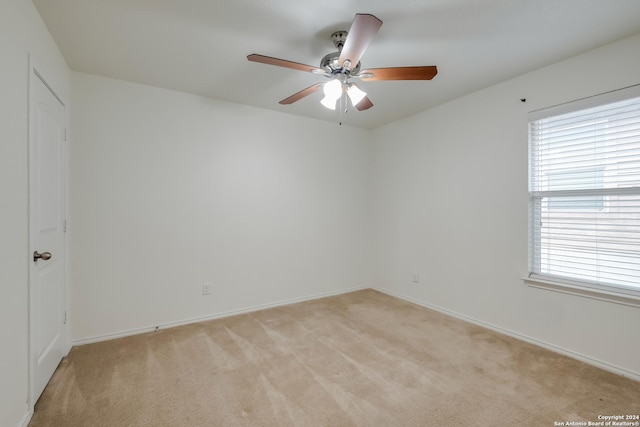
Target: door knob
x,y
44,255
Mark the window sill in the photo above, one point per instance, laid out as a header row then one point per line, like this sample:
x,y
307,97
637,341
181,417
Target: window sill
x,y
572,289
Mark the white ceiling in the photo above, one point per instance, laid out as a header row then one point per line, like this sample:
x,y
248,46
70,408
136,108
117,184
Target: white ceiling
x,y
200,46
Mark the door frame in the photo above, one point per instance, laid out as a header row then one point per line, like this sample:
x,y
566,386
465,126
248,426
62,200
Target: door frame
x,y
35,73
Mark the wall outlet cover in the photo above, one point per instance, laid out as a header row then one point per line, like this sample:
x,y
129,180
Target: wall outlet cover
x,y
206,289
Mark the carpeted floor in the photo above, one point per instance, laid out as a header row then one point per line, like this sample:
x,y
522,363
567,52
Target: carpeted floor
x,y
358,359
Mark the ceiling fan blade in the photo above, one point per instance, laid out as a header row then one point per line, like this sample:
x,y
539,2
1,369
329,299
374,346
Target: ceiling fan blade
x,y
254,57
401,73
362,31
299,95
365,104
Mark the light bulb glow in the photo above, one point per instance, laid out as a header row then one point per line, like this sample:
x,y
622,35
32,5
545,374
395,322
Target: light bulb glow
x,y
328,102
333,89
355,94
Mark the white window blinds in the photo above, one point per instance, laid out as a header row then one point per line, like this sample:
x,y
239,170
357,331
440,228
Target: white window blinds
x,y
584,193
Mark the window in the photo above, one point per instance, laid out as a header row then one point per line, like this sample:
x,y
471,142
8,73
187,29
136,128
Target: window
x,y
575,178
584,194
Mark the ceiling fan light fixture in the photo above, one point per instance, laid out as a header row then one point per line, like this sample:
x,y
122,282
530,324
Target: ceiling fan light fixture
x,y
332,92
333,89
355,94
329,102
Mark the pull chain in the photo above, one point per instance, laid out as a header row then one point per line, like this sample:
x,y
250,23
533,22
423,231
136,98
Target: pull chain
x,y
343,108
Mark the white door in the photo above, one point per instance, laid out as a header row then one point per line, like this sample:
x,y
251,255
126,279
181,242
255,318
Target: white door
x,y
47,227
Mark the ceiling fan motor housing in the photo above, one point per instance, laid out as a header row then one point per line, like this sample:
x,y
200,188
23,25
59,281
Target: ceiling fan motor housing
x,y
330,61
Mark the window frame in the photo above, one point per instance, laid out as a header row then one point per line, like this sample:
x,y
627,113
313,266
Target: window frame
x,y
612,293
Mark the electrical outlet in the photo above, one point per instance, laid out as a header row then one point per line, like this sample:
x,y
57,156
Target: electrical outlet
x,y
416,277
206,288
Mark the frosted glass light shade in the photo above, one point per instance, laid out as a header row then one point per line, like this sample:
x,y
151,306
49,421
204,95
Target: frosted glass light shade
x,y
355,94
333,89
329,102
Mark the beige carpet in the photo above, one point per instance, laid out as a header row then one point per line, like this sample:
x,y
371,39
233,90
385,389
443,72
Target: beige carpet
x,y
359,359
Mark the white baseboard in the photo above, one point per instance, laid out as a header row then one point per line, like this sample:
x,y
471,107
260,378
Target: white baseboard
x,y
581,357
221,315
27,418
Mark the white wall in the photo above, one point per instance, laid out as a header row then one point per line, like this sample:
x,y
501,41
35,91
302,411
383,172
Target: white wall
x,y
170,190
21,32
450,202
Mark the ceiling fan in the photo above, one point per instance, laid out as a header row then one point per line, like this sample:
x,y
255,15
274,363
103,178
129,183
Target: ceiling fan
x,y
343,65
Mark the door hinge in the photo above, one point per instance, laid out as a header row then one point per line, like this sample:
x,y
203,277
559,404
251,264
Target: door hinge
x,y
65,134
65,317
65,226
